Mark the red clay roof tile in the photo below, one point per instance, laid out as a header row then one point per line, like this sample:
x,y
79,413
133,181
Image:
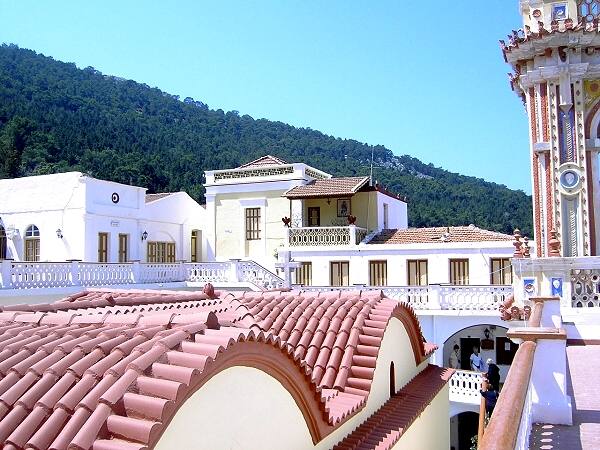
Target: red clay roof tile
x,y
438,235
89,372
328,187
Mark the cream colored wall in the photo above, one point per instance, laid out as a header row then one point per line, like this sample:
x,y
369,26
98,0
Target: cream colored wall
x,y
243,407
230,226
358,208
431,431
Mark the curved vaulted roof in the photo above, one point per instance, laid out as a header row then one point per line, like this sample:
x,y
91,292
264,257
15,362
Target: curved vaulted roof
x,y
109,369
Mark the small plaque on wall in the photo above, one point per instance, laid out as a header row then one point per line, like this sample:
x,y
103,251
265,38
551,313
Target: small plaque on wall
x,y
487,344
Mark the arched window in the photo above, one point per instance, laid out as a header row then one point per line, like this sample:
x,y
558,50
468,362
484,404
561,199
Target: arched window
x,y
32,243
392,379
2,242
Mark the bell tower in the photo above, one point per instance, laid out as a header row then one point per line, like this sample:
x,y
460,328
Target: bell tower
x,y
555,60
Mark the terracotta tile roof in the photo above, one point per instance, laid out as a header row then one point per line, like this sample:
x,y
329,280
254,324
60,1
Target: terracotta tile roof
x,y
329,187
266,160
438,234
109,369
154,197
387,425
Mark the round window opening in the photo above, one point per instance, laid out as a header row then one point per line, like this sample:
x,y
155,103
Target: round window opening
x,y
569,179
115,197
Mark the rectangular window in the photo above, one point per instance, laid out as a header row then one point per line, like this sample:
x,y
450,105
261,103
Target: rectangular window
x,y
103,247
501,271
194,247
417,272
161,252
32,249
314,216
459,271
378,273
252,224
304,274
338,273
123,248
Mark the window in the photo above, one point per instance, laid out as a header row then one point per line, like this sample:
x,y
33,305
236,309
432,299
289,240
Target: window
x,y
378,273
588,10
2,243
501,271
459,271
161,252
314,216
103,247
123,248
385,216
32,243
252,224
505,350
194,241
304,274
417,272
338,273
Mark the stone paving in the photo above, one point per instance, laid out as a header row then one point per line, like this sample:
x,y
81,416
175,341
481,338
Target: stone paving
x,y
584,389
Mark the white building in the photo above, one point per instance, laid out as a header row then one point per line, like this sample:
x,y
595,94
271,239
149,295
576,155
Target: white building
x,y
71,216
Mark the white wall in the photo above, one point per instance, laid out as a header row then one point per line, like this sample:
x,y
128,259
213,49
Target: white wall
x,y
397,212
438,256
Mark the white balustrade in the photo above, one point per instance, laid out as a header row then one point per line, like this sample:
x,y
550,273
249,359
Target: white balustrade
x,y
415,296
325,236
252,272
208,272
104,274
477,298
25,275
465,387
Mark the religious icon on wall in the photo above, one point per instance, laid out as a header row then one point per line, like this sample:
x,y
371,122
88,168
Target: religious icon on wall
x,y
343,207
559,11
557,287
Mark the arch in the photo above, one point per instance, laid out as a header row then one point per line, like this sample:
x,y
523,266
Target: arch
x,y
32,231
3,242
592,122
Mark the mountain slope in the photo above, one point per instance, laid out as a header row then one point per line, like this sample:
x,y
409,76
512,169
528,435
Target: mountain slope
x,y
56,117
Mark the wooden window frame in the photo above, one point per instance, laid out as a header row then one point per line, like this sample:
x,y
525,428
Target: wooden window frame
x,y
159,252
454,277
123,249
103,242
378,272
253,217
418,275
314,208
304,274
194,247
502,267
340,265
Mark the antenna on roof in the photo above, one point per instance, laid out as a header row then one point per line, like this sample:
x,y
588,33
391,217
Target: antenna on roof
x,y
371,175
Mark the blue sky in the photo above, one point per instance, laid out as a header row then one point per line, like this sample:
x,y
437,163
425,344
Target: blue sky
x,y
422,78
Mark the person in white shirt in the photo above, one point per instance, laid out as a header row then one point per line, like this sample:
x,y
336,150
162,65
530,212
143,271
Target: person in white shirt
x,y
454,359
477,363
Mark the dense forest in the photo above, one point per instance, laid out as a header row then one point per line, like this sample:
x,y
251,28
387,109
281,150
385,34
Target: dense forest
x,y
55,117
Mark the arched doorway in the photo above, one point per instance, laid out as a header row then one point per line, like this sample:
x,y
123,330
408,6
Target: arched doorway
x,y
463,427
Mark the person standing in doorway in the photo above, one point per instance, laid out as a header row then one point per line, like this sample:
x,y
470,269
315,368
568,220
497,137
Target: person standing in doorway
x,y
454,359
477,363
493,374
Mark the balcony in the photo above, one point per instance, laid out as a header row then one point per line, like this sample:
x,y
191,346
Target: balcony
x,y
325,236
44,275
465,386
437,297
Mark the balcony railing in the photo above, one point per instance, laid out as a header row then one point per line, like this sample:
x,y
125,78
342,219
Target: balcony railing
x,y
434,297
465,386
32,275
325,236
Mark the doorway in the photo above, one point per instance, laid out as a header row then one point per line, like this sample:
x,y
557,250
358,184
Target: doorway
x,y
314,216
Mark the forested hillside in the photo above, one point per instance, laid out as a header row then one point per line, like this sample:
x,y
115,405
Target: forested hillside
x,y
55,117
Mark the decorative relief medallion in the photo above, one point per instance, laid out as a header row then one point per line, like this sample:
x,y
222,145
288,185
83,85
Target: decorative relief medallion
x,y
570,179
537,13
592,91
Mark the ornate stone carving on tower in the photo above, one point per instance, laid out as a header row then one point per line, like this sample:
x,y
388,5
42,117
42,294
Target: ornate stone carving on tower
x,y
556,71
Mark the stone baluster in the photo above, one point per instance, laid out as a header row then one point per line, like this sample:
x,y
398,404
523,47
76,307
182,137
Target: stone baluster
x,y
234,274
553,244
136,271
434,296
6,273
517,244
525,248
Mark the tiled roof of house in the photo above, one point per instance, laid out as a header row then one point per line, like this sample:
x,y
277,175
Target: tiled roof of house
x,y
154,197
108,369
266,160
438,234
387,425
329,187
